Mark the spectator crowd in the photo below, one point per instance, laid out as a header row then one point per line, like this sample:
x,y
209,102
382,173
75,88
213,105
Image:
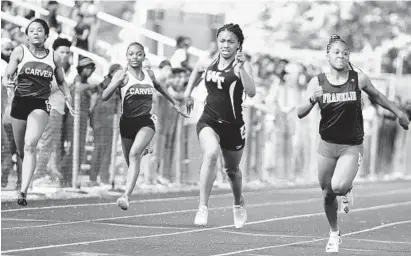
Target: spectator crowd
x,y
274,128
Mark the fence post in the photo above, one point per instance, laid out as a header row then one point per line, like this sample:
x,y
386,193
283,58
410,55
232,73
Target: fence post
x,y
114,145
374,147
76,138
37,13
260,147
249,144
160,48
178,149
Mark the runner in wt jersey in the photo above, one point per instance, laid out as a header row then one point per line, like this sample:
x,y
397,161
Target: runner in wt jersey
x,y
221,124
36,66
338,94
137,124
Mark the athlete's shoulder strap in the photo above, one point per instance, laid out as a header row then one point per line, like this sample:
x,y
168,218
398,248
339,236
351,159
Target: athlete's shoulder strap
x,y
148,76
353,77
24,49
214,61
321,79
353,74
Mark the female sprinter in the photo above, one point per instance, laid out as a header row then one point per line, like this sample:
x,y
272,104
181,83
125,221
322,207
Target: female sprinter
x,y
137,125
338,94
30,110
222,124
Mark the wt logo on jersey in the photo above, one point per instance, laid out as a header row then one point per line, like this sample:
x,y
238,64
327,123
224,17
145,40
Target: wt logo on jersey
x,y
215,77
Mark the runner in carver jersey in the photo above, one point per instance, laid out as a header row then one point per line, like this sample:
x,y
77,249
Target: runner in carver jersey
x,y
137,124
35,66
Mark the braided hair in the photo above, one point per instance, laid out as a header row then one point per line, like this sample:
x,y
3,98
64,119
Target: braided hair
x,y
336,38
333,39
135,43
236,30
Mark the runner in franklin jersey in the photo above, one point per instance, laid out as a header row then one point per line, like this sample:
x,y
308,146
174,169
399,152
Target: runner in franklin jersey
x,y
222,125
36,67
338,94
137,124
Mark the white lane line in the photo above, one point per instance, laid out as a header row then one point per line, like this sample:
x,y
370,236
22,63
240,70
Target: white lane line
x,y
378,227
267,235
312,237
154,200
215,228
358,250
192,210
313,240
253,254
162,213
378,241
138,226
26,220
115,239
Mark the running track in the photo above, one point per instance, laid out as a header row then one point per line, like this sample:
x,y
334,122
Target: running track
x,y
280,222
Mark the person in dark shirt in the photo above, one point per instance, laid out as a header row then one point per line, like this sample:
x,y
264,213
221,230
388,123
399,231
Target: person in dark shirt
x,y
36,67
221,124
338,94
137,124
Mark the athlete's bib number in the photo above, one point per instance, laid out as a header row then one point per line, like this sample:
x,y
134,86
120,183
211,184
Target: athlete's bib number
x,y
242,132
359,160
48,106
154,118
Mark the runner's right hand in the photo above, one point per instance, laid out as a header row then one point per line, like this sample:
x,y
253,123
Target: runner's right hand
x,y
317,95
404,121
189,103
10,82
123,74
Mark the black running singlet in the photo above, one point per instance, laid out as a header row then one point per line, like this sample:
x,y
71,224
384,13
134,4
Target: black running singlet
x,y
225,94
137,96
34,75
341,112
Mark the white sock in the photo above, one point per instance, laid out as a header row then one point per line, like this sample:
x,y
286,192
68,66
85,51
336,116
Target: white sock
x,y
335,233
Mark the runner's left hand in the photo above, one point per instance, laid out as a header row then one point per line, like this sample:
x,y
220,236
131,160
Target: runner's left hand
x,y
240,59
404,121
179,110
69,103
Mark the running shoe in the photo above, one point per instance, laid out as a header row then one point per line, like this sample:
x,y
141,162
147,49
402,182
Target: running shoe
x,y
201,216
123,202
21,199
333,242
240,214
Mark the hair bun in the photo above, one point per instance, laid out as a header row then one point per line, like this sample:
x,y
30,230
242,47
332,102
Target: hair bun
x,y
334,37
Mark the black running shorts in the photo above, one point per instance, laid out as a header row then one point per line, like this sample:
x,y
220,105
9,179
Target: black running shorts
x,y
21,107
129,126
232,136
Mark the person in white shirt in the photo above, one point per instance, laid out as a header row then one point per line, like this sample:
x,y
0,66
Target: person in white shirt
x,y
180,58
8,146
